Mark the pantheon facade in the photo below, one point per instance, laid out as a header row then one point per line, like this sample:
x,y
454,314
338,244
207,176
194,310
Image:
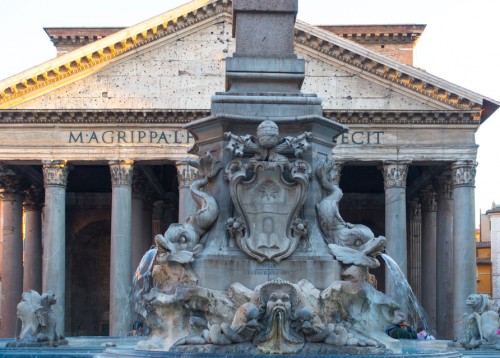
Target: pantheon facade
x,y
93,156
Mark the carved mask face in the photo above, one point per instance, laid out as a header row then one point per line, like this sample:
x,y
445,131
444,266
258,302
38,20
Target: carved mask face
x,y
279,301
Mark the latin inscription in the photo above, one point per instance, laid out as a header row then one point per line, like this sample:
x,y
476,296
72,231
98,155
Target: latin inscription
x,y
131,137
269,269
362,138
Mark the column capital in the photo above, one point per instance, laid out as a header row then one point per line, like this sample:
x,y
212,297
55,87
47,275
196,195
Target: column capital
x,y
442,185
428,200
121,172
33,199
463,173
395,173
55,173
11,183
186,174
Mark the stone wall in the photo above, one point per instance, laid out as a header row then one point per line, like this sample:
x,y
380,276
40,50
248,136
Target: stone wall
x,y
184,72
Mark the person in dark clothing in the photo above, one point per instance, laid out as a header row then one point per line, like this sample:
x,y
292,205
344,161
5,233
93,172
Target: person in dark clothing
x,y
402,330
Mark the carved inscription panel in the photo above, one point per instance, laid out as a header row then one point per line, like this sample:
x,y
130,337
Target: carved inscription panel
x,y
94,143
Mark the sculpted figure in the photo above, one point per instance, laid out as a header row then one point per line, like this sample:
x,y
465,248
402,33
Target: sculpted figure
x,y
482,324
349,243
279,300
38,321
181,242
29,311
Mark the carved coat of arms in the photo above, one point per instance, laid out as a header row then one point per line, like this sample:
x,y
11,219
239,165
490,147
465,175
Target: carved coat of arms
x,y
268,193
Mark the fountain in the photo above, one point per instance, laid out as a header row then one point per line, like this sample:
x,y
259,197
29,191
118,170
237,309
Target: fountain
x,y
267,264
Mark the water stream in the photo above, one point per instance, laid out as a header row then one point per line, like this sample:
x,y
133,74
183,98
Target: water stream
x,y
142,282
404,296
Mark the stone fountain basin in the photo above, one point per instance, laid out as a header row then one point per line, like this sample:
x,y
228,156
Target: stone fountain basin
x,y
86,347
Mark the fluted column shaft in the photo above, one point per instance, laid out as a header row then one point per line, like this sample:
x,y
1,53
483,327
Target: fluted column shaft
x,y
55,175
395,216
444,257
464,259
429,264
12,253
33,240
121,247
186,175
415,247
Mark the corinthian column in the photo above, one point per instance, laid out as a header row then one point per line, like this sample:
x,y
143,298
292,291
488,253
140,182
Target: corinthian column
x,y
33,202
186,175
395,216
12,253
55,175
429,207
121,247
444,256
464,259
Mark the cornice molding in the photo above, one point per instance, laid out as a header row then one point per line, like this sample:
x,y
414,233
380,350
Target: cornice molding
x,y
78,36
404,117
180,116
100,116
378,34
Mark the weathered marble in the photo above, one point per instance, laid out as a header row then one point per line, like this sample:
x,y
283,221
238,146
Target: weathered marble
x,y
429,256
121,246
39,321
55,175
12,251
33,201
464,244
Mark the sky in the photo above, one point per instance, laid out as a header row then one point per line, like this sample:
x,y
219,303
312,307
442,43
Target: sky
x,y
460,45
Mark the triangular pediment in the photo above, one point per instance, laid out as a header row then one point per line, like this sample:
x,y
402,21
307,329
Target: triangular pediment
x,y
198,36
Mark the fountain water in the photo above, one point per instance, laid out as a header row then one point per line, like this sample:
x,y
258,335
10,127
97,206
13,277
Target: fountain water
x,y
142,283
404,295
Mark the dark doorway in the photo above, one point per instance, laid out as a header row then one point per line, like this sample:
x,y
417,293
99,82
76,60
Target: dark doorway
x,y
90,279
